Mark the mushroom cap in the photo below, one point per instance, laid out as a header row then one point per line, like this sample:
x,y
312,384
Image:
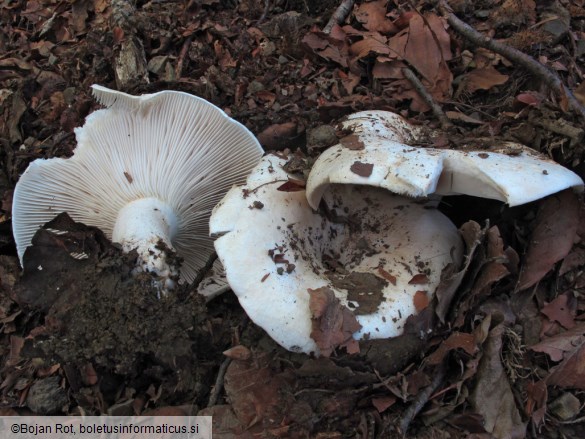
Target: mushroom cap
x,y
171,146
375,250
512,173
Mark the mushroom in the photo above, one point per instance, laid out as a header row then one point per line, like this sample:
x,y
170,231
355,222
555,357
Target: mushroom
x,y
361,228
147,171
511,173
380,253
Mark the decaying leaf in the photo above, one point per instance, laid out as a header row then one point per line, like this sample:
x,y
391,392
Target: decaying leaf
x,y
372,16
362,169
561,310
483,79
472,234
256,394
492,396
570,373
457,340
292,185
333,324
563,344
552,238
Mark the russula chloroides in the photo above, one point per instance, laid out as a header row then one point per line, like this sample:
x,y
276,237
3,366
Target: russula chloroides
x,y
375,250
147,171
361,228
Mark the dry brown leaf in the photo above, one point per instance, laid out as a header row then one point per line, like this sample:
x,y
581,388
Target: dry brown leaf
x,y
256,394
275,135
562,310
353,142
420,300
562,345
492,396
292,185
426,56
536,396
574,260
472,234
369,45
382,403
571,372
419,279
483,79
457,340
552,237
362,169
333,323
372,16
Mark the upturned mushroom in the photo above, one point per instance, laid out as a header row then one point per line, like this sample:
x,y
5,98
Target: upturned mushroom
x,y
361,228
381,254
510,172
147,171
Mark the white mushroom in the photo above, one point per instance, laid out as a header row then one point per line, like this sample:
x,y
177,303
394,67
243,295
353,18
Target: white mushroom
x,y
147,171
377,251
512,173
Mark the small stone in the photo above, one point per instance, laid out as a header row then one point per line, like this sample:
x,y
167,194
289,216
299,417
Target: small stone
x,y
255,86
46,396
157,65
321,137
565,407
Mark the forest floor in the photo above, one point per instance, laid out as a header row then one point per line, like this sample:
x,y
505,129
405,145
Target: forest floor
x,y
507,362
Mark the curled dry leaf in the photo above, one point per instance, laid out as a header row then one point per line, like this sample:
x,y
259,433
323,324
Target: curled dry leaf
x,y
333,324
279,136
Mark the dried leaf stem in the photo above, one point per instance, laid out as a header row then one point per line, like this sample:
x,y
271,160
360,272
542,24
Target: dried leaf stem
x,y
422,398
549,77
201,275
423,92
216,390
339,15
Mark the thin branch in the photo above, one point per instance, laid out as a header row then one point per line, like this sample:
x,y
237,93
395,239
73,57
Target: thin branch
x,y
339,15
214,395
423,92
203,271
264,12
539,70
182,55
422,398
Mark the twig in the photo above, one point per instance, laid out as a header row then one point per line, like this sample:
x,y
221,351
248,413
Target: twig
x,y
423,92
422,398
549,77
201,275
214,395
182,55
264,12
339,15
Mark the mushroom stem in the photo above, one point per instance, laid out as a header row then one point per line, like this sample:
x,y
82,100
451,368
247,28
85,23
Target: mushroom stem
x,y
149,225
